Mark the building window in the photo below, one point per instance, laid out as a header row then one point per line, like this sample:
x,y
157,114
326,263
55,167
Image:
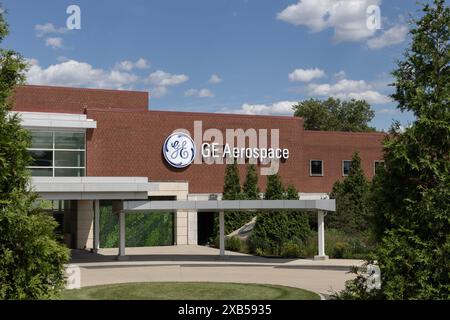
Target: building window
x,y
346,166
316,168
58,154
377,165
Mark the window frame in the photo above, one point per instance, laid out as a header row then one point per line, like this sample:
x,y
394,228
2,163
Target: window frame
x,y
310,168
343,173
54,150
375,165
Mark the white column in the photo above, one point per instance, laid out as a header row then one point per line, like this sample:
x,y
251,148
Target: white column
x,y
222,233
96,225
321,236
122,255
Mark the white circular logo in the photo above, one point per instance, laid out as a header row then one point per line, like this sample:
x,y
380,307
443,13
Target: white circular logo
x,y
179,150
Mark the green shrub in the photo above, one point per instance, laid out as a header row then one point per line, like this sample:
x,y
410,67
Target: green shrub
x,y
233,244
292,250
340,250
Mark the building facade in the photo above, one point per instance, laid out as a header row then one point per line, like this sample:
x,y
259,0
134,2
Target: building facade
x,y
94,148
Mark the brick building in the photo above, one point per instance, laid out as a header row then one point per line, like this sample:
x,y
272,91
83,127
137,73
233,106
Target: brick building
x,y
92,146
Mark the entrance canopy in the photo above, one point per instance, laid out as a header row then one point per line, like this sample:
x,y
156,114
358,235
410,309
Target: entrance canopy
x,y
320,206
229,205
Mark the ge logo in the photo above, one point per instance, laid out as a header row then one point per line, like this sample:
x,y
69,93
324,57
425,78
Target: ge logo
x,y
179,150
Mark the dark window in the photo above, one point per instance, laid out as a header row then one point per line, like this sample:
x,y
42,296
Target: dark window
x,y
41,158
346,166
64,172
316,168
69,158
69,140
41,172
378,164
58,154
42,140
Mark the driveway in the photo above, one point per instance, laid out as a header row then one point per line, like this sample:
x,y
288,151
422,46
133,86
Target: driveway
x,y
198,263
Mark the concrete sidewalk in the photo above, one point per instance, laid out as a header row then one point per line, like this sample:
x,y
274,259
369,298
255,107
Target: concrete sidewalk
x,y
197,263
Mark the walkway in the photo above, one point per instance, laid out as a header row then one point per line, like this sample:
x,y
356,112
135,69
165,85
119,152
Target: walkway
x,y
198,263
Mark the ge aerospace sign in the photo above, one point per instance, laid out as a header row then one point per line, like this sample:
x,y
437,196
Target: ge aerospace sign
x,y
179,150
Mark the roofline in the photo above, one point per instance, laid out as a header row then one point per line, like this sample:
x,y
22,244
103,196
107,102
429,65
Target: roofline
x,y
190,113
80,89
347,132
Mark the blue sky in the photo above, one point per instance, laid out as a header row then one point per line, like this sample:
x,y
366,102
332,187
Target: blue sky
x,y
243,56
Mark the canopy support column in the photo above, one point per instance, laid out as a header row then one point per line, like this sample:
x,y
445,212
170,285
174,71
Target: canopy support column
x,y
222,233
122,255
96,225
321,236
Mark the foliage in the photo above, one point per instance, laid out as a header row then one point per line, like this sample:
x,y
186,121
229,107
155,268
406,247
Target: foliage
x,y
412,197
250,188
31,259
274,228
233,244
142,229
291,250
353,214
232,191
335,115
340,245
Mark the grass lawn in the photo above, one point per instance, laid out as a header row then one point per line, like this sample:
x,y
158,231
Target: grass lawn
x,y
189,291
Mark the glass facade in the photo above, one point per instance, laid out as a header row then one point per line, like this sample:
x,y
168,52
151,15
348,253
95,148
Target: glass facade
x,y
58,154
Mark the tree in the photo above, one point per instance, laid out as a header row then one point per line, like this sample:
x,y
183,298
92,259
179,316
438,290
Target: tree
x,y
412,197
31,260
250,187
232,191
276,227
335,115
352,201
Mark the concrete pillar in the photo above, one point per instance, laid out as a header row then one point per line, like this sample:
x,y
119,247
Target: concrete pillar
x,y
222,233
192,228
181,227
96,225
85,224
122,255
321,236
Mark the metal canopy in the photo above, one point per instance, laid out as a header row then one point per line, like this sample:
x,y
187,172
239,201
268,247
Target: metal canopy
x,y
227,205
222,206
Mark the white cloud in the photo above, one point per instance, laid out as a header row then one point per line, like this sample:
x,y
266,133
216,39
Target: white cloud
x,y
388,111
277,108
306,75
164,79
128,65
215,79
48,28
340,75
395,35
78,74
347,18
202,93
141,63
54,42
348,89
158,92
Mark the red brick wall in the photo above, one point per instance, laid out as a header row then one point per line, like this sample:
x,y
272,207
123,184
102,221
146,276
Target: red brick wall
x,y
130,144
128,139
75,100
333,148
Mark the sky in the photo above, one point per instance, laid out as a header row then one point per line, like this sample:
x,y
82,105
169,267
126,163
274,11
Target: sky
x,y
232,56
